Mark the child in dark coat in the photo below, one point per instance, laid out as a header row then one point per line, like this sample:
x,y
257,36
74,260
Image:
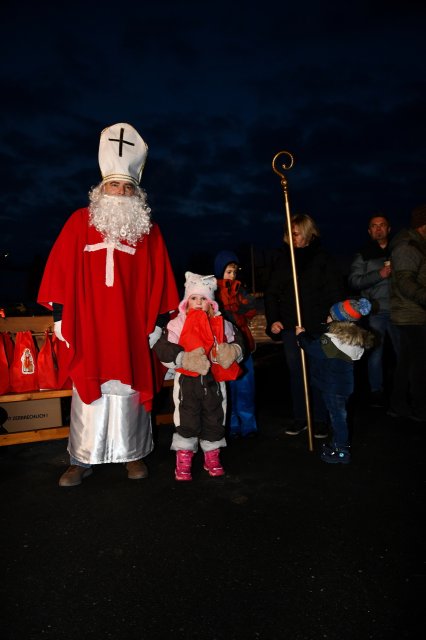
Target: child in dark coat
x,y
204,350
332,357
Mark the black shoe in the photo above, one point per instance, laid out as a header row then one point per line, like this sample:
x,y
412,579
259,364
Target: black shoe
x,y
250,435
297,427
335,455
320,430
377,400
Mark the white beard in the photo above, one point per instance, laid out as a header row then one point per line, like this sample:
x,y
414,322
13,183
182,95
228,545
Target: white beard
x,y
120,218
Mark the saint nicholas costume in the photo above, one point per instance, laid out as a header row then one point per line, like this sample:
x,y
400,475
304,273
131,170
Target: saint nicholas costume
x,y
111,294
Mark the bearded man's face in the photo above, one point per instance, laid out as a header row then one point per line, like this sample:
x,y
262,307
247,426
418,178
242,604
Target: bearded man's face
x,y
119,211
119,188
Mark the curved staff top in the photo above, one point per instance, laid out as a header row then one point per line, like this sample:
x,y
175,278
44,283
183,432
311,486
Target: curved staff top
x,y
287,167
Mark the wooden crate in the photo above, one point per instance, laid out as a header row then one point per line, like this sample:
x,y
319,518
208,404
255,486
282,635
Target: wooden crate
x,y
38,325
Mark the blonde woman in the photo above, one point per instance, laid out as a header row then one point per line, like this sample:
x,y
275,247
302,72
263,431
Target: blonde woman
x,y
320,284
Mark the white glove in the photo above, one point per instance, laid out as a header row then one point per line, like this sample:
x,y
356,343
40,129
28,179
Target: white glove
x,y
57,328
154,336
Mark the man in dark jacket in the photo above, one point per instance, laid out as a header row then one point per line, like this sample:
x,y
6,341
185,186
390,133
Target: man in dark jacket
x,y
370,275
408,312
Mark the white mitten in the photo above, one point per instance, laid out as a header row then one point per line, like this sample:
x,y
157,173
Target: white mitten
x,y
57,328
226,354
196,360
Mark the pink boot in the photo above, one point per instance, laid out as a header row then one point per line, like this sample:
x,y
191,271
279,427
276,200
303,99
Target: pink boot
x,y
183,465
212,463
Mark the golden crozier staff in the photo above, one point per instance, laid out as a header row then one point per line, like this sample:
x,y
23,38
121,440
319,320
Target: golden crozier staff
x,y
279,171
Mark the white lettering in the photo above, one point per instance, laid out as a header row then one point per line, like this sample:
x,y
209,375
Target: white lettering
x,y
30,416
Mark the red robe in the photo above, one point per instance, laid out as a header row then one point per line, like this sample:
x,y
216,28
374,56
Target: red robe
x,y
107,327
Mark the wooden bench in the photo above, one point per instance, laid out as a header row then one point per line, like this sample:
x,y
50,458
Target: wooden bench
x,y
257,327
38,325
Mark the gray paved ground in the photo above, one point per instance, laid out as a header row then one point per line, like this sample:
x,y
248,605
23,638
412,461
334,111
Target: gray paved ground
x,y
283,547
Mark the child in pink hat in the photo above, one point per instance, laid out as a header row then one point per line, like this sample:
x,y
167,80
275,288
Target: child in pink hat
x,y
204,350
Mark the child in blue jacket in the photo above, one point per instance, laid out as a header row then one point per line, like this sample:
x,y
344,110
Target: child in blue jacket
x,y
332,357
239,307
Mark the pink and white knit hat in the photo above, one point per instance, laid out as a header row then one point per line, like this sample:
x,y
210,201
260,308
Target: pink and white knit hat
x,y
200,285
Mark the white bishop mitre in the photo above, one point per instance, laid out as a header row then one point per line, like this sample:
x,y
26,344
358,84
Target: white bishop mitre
x,y
122,153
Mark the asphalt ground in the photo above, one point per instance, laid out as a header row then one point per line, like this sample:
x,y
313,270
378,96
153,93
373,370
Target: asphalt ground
x,y
283,547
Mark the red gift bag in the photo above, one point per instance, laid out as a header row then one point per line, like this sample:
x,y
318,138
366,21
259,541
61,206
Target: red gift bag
x,y
62,354
47,365
219,373
23,371
8,346
4,365
201,331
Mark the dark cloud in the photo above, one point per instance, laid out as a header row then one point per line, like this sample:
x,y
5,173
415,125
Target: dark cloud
x,y
216,90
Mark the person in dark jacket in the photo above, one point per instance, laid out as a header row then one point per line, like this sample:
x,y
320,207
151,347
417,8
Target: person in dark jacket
x,y
239,307
408,313
332,357
369,275
203,349
320,283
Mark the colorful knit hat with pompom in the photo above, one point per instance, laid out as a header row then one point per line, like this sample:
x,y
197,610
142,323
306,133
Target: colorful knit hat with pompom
x,y
350,310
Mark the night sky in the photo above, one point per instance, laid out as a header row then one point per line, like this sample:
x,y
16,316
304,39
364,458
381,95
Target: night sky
x,y
216,89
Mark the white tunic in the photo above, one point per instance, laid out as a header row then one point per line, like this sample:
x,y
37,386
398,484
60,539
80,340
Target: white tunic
x,y
114,428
